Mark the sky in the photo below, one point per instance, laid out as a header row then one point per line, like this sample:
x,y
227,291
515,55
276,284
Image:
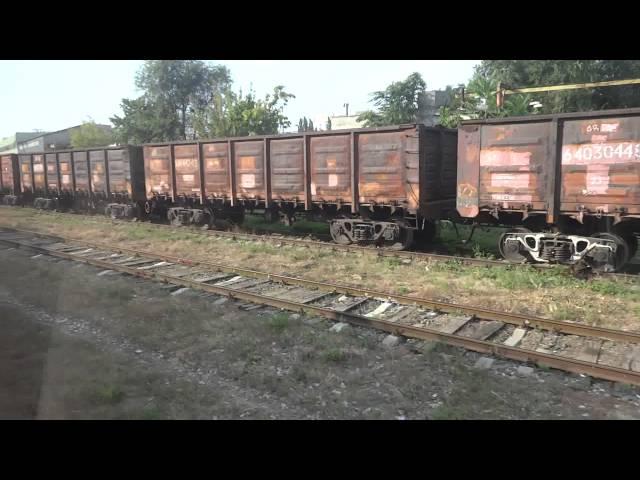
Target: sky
x,y
52,95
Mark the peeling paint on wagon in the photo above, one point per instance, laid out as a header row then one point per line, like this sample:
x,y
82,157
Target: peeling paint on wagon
x,y
599,168
80,172
287,169
9,173
158,171
602,175
249,169
98,172
187,171
53,180
216,170
66,172
26,173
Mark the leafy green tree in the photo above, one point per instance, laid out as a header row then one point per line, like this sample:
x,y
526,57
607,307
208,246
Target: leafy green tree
x,y
538,73
91,135
328,123
398,103
480,94
303,124
176,94
244,115
145,121
306,125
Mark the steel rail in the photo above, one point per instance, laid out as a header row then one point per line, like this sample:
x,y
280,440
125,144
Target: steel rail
x,y
480,313
554,361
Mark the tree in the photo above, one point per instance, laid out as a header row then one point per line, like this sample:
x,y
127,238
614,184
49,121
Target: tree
x,y
398,103
232,115
480,93
328,123
176,95
145,121
538,73
306,125
91,135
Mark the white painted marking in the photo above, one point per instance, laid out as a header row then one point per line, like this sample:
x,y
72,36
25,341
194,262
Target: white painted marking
x,y
155,265
230,281
515,338
380,310
83,251
180,291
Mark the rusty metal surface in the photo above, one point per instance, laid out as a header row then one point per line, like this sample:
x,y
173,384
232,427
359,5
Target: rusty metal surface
x,y
119,171
601,164
80,171
39,175
26,173
10,174
383,168
249,165
187,170
287,169
51,164
467,196
369,166
597,169
284,136
158,171
330,169
97,164
66,172
215,159
514,163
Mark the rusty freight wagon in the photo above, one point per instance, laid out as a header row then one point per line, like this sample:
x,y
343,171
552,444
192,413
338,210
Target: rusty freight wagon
x,y
571,182
380,185
110,179
9,179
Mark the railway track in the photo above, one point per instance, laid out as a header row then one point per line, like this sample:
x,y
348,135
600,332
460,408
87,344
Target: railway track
x,y
382,252
599,352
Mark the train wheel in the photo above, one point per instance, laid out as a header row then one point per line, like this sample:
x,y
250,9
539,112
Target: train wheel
x,y
632,242
338,234
622,254
510,251
173,218
406,238
628,235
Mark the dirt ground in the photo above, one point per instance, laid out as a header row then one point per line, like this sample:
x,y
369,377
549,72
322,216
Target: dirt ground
x,y
78,345
552,293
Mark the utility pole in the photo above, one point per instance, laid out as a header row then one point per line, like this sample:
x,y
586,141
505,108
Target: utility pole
x,y
346,105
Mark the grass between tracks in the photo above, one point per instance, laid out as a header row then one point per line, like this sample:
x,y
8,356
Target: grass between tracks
x,y
551,293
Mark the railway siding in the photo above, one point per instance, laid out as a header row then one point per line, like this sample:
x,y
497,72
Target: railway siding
x,y
566,346
551,294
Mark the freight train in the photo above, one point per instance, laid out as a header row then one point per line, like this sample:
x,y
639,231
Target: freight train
x,y
567,186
